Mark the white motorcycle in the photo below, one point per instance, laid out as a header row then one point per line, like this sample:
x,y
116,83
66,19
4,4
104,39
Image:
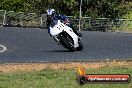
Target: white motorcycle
x,y
65,36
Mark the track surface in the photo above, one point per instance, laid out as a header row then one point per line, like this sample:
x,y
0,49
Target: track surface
x,y
35,45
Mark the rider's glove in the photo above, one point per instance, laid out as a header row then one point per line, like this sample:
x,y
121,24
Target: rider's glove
x,y
66,22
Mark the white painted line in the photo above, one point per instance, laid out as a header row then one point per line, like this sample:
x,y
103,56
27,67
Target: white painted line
x,y
2,48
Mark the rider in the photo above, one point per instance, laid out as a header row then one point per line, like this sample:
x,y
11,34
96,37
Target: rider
x,y
52,15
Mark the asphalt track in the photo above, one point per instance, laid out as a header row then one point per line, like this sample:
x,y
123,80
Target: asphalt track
x,y
36,45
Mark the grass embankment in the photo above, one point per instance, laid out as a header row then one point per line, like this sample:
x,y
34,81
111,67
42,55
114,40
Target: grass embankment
x,y
58,76
128,23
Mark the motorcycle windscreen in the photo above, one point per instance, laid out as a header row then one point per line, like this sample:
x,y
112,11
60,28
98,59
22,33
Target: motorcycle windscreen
x,y
53,23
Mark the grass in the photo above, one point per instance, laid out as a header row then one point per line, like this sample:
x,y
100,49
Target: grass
x,y
129,23
59,78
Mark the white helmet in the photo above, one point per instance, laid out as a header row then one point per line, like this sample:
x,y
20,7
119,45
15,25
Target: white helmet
x,y
50,11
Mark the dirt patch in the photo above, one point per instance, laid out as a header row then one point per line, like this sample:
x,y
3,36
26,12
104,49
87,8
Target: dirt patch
x,y
27,67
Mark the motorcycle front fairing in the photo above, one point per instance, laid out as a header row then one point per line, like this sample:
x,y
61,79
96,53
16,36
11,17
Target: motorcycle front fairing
x,y
57,27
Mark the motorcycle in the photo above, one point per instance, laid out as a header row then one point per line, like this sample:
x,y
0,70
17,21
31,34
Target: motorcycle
x,y
65,36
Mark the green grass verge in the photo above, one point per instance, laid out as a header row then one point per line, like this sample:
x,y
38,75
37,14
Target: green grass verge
x,y
61,78
129,23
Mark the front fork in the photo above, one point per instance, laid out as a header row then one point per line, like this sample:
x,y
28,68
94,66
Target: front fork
x,y
56,39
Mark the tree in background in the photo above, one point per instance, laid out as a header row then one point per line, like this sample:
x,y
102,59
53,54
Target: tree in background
x,y
91,8
105,8
14,5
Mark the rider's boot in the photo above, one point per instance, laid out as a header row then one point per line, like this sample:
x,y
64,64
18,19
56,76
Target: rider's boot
x,y
78,34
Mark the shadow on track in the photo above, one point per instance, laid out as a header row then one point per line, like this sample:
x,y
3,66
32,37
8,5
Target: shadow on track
x,y
56,51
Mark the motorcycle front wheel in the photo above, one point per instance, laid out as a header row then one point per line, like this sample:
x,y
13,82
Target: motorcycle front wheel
x,y
67,42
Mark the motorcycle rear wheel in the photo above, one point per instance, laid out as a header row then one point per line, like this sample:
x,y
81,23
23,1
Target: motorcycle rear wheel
x,y
80,46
